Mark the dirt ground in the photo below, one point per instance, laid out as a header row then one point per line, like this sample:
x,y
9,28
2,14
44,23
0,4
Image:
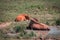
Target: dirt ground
x,y
41,35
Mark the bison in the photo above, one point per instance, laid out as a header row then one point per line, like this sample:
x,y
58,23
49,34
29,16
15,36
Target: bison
x,y
34,24
22,17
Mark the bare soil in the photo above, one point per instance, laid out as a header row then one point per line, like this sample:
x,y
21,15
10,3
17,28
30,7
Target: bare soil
x,y
41,35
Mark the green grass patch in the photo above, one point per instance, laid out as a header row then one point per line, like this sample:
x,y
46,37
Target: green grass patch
x,y
9,9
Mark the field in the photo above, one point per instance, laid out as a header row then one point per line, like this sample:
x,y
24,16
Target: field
x,y
46,11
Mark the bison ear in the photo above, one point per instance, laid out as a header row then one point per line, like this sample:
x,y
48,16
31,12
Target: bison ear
x,y
27,17
16,20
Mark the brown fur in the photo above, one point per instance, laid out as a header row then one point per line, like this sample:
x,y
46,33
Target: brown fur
x,y
22,17
35,25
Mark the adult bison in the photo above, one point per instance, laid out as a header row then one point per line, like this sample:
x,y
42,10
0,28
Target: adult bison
x,y
34,24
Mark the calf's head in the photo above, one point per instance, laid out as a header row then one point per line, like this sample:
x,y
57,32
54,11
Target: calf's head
x,y
22,17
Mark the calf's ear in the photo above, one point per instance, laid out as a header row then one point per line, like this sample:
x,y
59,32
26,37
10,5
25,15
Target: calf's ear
x,y
27,17
16,20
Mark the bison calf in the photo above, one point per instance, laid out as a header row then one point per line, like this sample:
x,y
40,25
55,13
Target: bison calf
x,y
22,17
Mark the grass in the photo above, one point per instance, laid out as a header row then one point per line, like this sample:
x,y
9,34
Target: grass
x,y
17,29
24,34
58,22
35,8
43,10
